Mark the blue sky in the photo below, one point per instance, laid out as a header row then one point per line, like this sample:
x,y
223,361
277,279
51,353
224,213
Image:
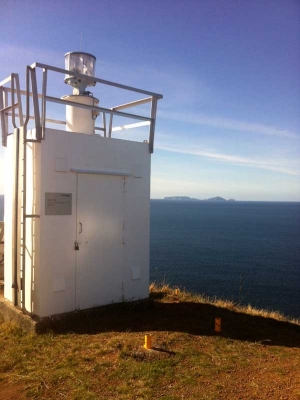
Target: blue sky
x,y
229,123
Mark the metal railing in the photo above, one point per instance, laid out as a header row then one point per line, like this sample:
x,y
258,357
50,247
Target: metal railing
x,y
40,118
6,108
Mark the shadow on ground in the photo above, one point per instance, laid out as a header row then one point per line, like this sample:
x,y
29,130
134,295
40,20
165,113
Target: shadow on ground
x,y
188,317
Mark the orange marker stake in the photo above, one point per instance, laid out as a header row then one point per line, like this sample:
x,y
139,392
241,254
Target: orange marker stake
x,y
147,344
217,324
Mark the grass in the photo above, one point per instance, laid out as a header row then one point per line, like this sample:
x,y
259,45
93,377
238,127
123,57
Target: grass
x,y
99,354
168,293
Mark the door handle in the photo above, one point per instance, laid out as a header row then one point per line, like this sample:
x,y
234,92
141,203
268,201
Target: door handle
x,y
80,227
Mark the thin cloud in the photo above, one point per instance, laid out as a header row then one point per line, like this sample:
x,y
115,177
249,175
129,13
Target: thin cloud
x,y
224,123
236,160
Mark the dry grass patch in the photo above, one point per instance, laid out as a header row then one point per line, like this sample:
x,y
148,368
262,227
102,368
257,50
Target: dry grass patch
x,y
166,293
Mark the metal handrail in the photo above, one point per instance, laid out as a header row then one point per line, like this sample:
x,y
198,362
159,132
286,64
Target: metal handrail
x,y
96,108
154,97
13,79
41,117
103,81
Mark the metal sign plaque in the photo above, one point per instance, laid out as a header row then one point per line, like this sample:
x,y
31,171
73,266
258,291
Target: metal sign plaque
x,y
58,203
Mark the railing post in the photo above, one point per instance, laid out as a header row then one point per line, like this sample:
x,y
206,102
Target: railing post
x,y
13,117
152,124
35,101
2,118
44,89
21,119
104,123
110,125
27,97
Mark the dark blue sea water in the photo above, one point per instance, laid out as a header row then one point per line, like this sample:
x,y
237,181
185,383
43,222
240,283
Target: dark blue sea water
x,y
248,252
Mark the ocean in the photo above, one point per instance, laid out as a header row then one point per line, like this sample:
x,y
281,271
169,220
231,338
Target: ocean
x,y
248,252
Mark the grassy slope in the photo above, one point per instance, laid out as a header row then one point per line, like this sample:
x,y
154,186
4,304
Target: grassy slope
x,y
99,354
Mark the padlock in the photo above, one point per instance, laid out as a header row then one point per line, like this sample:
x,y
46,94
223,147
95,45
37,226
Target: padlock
x,y
76,246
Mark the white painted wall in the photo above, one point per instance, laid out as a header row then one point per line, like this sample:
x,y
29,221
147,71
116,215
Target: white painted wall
x,y
112,203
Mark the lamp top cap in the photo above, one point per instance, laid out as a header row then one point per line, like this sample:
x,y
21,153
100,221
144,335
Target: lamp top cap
x,y
80,52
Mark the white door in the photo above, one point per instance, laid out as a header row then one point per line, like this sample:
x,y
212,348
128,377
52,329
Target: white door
x,y
99,260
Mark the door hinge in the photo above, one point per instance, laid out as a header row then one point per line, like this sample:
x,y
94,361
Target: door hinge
x,y
124,185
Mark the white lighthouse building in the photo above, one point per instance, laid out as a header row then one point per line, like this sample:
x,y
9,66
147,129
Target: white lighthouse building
x,y
76,197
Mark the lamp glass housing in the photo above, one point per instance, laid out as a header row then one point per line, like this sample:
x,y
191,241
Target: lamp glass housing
x,y
83,63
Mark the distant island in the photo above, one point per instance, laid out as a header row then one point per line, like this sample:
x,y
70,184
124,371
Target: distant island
x,y
187,198
218,199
